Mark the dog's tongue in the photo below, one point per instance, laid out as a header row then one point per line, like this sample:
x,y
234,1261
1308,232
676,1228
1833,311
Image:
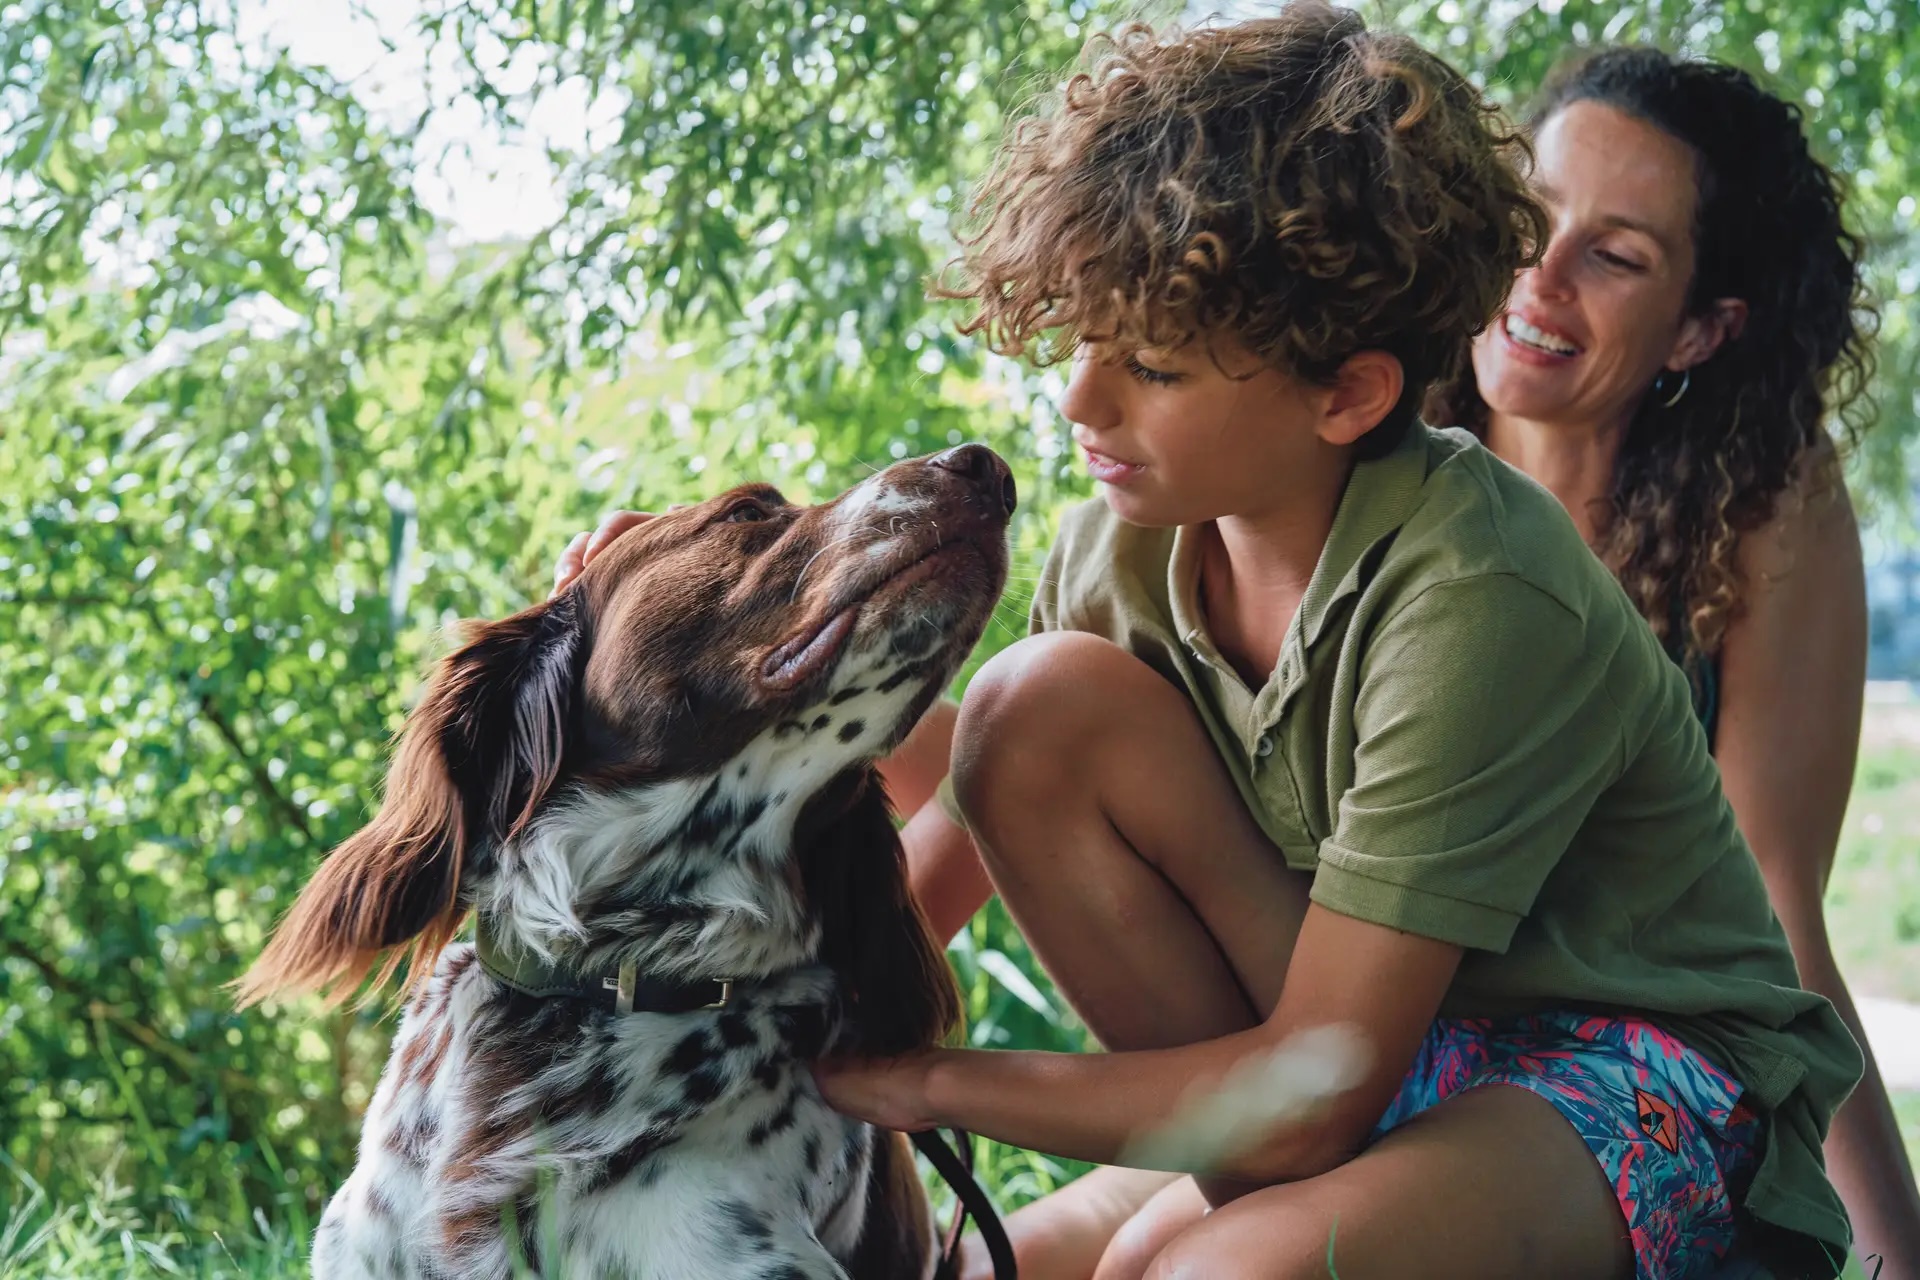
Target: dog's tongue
x,y
803,656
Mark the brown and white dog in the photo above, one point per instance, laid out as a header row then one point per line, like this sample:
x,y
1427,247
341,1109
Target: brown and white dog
x,y
655,793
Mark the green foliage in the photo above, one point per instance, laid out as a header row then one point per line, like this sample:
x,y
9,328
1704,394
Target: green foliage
x,y
266,432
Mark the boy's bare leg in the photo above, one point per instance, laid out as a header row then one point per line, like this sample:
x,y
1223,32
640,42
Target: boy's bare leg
x,y
1136,873
1492,1184
1119,844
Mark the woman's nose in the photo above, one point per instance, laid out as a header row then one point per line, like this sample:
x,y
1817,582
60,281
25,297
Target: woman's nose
x,y
1553,278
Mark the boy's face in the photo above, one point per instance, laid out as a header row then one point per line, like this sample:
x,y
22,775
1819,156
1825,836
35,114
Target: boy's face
x,y
1174,438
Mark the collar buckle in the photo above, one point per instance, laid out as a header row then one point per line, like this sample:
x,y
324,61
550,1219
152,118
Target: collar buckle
x,y
622,987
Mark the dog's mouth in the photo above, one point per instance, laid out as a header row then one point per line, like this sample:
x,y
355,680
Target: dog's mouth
x,y
806,655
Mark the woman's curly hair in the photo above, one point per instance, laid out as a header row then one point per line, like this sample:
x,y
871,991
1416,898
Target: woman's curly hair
x,y
1692,478
1307,187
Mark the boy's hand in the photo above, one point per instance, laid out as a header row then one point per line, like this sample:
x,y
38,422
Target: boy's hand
x,y
585,546
889,1092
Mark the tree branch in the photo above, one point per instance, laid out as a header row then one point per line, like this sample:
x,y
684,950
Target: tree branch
x,y
191,1067
261,779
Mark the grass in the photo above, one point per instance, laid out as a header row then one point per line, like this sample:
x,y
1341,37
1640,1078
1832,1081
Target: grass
x,y
108,1236
1873,907
1873,904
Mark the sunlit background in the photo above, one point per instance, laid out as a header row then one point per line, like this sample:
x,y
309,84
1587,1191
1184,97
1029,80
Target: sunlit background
x,y
319,330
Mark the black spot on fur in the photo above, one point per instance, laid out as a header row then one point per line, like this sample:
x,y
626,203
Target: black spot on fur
x,y
712,817
803,1027
899,678
767,1074
735,1033
783,1271
703,1086
743,1225
750,812
820,722
741,772
810,1155
636,1158
787,729
779,1122
594,1095
411,1142
852,729
693,1052
846,695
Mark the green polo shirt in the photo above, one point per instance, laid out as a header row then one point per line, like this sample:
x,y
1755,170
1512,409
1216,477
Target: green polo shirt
x,y
1473,736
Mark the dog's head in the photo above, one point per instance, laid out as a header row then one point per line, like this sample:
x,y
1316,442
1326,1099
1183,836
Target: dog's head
x,y
695,717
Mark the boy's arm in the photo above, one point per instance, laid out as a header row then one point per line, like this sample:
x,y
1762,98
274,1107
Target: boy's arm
x,y
1384,984
943,868
917,765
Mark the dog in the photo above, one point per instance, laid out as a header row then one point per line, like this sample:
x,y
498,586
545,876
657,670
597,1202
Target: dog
x,y
655,796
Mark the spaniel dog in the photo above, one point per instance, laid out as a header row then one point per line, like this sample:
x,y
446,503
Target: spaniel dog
x,y
655,797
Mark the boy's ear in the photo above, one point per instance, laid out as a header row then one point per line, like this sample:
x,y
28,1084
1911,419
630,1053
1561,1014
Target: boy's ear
x,y
1364,391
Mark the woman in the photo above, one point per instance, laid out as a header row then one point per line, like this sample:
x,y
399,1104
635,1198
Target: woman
x,y
1667,371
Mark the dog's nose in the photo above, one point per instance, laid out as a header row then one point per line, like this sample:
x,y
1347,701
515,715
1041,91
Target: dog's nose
x,y
982,466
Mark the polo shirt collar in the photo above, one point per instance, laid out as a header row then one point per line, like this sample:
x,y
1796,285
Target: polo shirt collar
x,y
1381,495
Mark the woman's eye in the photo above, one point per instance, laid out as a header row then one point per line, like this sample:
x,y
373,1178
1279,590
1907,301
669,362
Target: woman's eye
x,y
1615,260
1155,377
744,513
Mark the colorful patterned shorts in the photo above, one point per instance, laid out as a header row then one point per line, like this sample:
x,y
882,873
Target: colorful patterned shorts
x,y
1666,1125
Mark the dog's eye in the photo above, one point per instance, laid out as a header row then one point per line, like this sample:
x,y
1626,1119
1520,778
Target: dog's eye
x,y
745,512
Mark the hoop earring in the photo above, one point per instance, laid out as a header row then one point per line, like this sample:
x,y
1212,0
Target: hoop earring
x,y
1686,380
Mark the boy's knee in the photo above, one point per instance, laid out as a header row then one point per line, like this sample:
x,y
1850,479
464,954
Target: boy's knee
x,y
1282,1250
1029,712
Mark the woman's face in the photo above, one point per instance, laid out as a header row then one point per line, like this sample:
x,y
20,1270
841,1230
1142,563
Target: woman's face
x,y
1587,331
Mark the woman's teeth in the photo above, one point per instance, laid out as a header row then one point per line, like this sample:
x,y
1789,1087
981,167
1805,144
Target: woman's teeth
x,y
1539,339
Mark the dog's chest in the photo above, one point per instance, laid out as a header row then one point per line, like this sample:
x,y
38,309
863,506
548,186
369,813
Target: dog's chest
x,y
687,1145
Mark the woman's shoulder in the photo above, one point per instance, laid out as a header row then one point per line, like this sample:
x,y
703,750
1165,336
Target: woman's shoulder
x,y
1811,523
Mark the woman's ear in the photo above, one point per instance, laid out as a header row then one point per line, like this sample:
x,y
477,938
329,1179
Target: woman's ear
x,y
478,754
873,935
1704,334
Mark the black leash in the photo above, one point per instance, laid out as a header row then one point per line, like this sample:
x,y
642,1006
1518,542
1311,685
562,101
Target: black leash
x,y
957,1169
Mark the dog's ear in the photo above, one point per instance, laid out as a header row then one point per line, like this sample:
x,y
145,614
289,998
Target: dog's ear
x,y
873,934
478,754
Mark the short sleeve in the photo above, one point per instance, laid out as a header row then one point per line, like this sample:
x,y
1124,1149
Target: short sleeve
x,y
1483,731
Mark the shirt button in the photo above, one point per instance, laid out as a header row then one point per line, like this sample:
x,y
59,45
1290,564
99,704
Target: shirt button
x,y
1264,747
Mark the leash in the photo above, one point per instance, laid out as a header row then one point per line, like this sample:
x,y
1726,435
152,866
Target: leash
x,y
957,1168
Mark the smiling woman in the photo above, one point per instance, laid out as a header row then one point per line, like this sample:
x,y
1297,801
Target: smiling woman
x,y
1669,370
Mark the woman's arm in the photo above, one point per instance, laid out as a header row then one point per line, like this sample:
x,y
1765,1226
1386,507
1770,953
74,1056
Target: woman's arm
x,y
1793,667
1385,984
